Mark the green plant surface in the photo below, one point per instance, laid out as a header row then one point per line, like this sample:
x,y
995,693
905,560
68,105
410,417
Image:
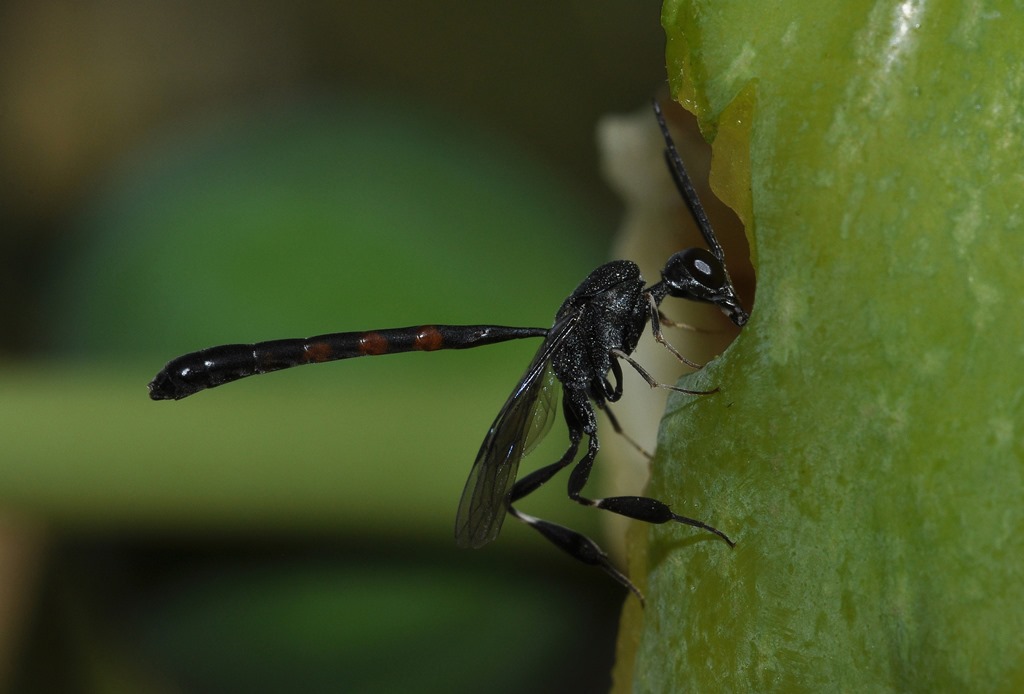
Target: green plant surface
x,y
864,448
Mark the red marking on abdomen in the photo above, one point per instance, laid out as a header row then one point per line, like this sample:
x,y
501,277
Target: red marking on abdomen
x,y
429,338
372,344
318,352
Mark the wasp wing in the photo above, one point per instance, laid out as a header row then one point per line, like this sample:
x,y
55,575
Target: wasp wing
x,y
543,414
522,422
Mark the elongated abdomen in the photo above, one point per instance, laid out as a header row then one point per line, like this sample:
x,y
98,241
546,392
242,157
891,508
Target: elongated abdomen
x,y
214,366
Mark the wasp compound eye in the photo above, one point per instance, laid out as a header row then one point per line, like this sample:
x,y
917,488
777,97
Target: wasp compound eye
x,y
704,267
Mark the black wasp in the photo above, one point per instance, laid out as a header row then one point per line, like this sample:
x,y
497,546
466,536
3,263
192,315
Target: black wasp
x,y
596,327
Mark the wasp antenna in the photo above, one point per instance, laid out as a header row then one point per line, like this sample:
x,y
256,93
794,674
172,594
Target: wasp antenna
x,y
685,186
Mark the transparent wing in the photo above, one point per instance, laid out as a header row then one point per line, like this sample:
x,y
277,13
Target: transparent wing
x,y
543,414
522,422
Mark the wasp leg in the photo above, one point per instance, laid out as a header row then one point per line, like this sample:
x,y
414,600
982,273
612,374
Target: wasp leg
x,y
653,382
577,546
538,477
569,541
613,420
656,316
639,507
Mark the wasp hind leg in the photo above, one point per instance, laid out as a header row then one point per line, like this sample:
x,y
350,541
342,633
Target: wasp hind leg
x,y
641,508
576,545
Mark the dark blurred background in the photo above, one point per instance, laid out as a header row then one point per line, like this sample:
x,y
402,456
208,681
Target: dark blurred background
x,y
182,174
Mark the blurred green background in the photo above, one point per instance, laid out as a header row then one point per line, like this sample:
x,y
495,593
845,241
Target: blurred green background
x,y
177,175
